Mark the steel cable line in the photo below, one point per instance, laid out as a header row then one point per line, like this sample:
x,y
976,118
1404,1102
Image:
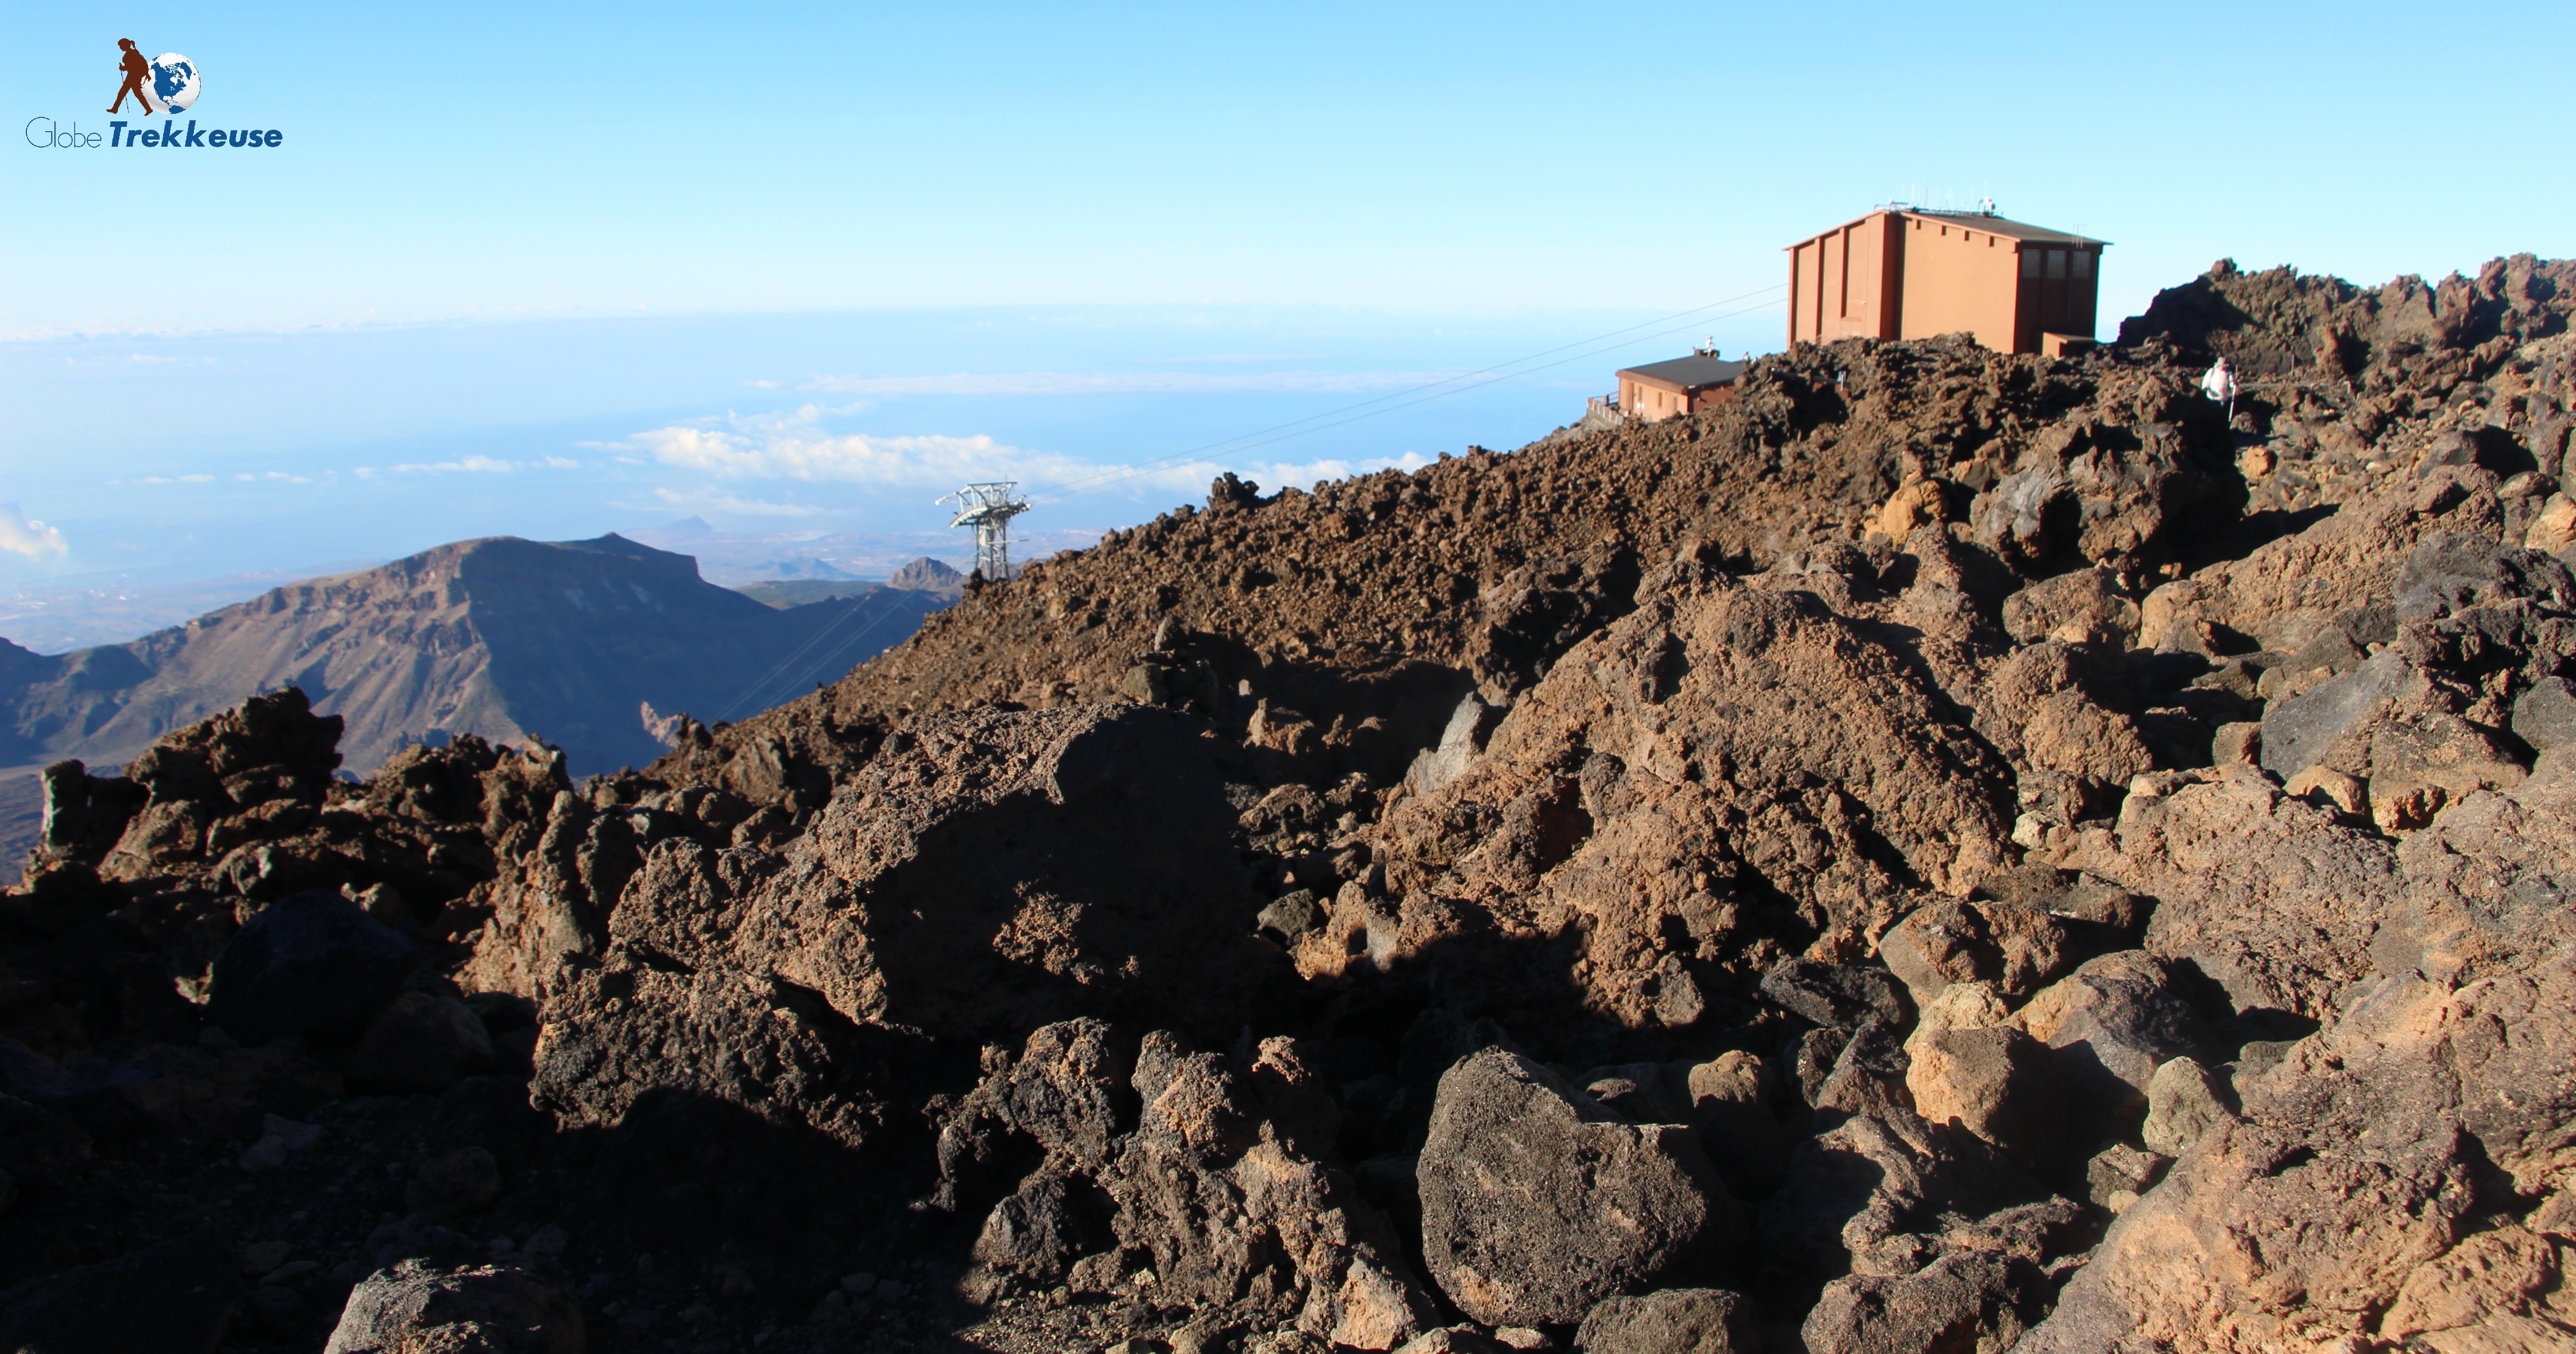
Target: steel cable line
x,y
1696,315
830,660
763,682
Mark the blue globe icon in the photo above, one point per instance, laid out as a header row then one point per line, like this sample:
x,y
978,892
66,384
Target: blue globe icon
x,y
175,82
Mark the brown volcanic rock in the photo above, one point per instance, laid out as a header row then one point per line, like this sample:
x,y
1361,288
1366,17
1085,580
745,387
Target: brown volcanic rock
x,y
1674,769
1490,565
1217,1173
2376,1137
2270,895
986,874
2439,1106
617,1033
2281,595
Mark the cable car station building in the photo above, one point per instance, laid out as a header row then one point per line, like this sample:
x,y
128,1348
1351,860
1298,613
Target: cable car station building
x,y
1685,385
1909,273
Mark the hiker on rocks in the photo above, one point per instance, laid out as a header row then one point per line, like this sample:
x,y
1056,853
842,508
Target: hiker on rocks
x,y
2219,384
138,77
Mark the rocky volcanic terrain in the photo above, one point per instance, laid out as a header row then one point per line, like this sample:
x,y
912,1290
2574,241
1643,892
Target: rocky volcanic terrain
x,y
1948,852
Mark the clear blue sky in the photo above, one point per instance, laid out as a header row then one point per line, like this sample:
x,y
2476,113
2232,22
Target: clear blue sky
x,y
529,159
1396,188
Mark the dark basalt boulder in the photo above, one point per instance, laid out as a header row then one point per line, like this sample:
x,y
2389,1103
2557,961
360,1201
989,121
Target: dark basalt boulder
x,y
307,963
1537,1203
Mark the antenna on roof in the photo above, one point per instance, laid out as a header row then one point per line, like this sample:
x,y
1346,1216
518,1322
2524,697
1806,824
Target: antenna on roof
x,y
989,509
1986,206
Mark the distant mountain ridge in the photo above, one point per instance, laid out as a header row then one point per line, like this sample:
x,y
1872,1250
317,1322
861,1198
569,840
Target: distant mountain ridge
x,y
925,576
929,575
503,637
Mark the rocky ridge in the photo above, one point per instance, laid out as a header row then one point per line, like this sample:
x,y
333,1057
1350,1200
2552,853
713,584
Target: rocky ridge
x,y
1947,852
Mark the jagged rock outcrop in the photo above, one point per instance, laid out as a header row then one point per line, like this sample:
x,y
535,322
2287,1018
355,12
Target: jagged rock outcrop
x,y
1217,1175
986,874
1660,800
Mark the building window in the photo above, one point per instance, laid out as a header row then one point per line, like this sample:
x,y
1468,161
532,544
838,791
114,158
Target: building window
x,y
2030,263
2083,264
2056,264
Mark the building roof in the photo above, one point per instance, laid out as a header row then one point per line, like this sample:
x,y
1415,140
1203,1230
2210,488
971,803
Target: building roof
x,y
1690,373
2005,227
2002,226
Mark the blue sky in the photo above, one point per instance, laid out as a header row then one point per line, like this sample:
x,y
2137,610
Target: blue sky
x,y
801,258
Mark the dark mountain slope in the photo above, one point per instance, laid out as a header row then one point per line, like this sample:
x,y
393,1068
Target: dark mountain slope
x,y
500,637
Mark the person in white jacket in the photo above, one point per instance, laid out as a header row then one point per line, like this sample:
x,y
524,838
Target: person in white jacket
x,y
2219,383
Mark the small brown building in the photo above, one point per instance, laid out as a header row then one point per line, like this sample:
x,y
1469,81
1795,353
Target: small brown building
x,y
1685,385
1905,273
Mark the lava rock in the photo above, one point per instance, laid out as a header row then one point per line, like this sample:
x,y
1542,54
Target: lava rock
x,y
2545,716
1996,1083
1875,1177
1673,1321
2119,1173
1036,1233
2453,571
421,1307
987,873
421,1043
308,962
1291,916
1960,1304
460,1181
2110,1024
2296,732
1205,1168
1453,1340
1730,1098
2082,606
178,1295
2184,1102
1836,996
1537,1203
2018,949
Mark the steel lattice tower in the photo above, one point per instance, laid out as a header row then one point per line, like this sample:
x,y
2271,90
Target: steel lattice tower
x,y
989,509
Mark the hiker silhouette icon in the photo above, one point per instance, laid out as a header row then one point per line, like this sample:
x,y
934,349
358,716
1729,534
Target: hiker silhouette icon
x,y
138,75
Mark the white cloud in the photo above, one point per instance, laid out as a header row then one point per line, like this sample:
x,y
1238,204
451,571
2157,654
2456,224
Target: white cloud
x,y
1120,383
922,461
470,465
24,535
795,445
562,463
177,479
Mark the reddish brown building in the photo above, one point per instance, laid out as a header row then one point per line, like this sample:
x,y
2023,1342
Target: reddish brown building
x,y
1904,273
1685,385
